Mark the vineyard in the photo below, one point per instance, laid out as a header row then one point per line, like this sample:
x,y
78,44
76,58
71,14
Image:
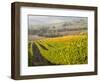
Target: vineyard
x,y
63,50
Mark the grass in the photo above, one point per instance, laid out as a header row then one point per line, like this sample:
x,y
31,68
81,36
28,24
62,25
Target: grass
x,y
64,50
30,53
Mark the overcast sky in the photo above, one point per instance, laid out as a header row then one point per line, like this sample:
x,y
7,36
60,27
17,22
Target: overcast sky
x,y
36,20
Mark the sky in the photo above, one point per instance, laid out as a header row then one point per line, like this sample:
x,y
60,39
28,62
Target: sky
x,y
40,19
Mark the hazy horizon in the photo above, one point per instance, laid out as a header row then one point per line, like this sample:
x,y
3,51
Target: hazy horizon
x,y
42,19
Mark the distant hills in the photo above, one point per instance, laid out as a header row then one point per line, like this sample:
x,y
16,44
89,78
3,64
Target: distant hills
x,y
58,29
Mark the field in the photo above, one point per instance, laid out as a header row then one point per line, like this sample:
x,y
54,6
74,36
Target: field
x,y
57,40
64,50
